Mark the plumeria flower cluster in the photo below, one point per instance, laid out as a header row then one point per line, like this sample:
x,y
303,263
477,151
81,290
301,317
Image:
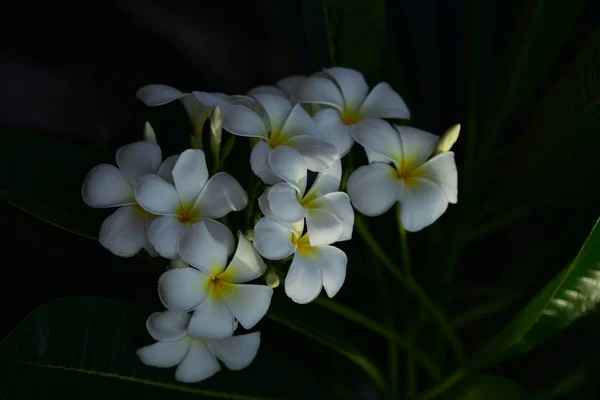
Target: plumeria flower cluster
x,y
300,129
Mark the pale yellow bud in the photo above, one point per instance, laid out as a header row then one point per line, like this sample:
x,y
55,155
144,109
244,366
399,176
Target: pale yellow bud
x,y
149,133
178,263
249,234
272,280
448,139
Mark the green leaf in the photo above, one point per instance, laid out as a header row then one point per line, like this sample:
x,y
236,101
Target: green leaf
x,y
568,297
488,387
43,177
84,348
317,325
539,34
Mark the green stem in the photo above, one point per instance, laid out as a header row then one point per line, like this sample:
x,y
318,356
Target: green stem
x,y
444,385
329,33
379,329
404,245
413,286
480,311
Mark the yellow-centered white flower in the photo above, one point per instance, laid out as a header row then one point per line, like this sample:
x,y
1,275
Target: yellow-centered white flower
x,y
347,92
400,170
124,232
182,195
285,125
196,359
328,213
285,87
214,290
312,267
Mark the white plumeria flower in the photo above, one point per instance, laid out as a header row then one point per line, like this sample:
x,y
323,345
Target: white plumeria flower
x,y
182,195
287,125
216,293
403,172
312,267
196,359
124,232
285,87
329,214
347,92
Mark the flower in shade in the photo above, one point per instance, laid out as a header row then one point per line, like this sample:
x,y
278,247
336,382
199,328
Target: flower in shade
x,y
196,359
124,232
285,125
402,171
312,267
347,94
215,290
182,195
285,87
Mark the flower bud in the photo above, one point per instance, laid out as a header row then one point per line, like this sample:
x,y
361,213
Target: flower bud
x,y
149,134
272,280
178,263
448,139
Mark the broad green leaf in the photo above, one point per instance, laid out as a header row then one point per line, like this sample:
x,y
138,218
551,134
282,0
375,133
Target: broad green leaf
x,y
316,324
568,297
488,387
43,176
84,348
542,28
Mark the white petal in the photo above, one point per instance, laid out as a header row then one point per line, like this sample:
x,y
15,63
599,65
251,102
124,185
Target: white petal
x,y
236,352
183,289
277,108
164,232
374,188
249,303
353,86
123,232
242,121
317,154
384,102
198,364
221,234
273,240
331,129
332,262
303,282
380,137
200,249
322,227
441,169
283,203
156,195
299,122
327,181
106,186
190,175
259,163
138,159
166,168
212,320
221,195
321,91
246,264
421,204
148,219
263,203
289,165
373,156
337,203
417,146
164,354
211,100
157,95
290,84
267,89
168,325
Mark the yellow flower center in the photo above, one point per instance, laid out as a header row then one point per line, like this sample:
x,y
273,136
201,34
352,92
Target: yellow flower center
x,y
303,244
350,117
188,214
277,139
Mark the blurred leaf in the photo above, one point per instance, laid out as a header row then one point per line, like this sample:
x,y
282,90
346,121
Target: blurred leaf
x,y
569,296
538,36
353,31
43,176
84,348
312,321
488,387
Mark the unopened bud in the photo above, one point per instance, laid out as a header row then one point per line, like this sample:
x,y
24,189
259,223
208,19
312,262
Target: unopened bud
x,y
178,263
249,234
448,139
149,133
272,280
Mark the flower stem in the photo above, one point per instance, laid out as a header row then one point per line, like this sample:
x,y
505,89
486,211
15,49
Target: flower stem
x,y
444,385
412,285
329,33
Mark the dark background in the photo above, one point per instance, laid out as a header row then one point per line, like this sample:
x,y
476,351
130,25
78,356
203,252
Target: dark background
x,y
71,70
